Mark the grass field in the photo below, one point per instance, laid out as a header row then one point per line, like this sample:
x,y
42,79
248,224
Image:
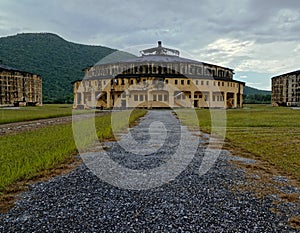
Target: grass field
x,y
33,113
270,133
23,155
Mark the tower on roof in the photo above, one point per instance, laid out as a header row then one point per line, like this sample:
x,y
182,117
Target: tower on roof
x,y
159,50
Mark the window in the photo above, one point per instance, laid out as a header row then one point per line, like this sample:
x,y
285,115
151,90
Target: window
x,y
166,98
196,82
188,82
159,97
182,82
206,98
123,82
166,80
154,97
207,83
131,81
136,97
146,97
141,98
214,98
195,96
176,82
202,83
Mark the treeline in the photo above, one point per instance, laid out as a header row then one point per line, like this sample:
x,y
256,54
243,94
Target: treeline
x,y
257,99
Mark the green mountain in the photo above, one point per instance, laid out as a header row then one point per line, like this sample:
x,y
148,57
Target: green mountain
x,y
58,61
256,96
252,91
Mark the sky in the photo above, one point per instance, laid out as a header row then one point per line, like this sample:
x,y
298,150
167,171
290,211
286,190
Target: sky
x,y
259,39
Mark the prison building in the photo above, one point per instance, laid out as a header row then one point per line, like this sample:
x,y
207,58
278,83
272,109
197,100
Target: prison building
x,y
286,89
19,88
159,78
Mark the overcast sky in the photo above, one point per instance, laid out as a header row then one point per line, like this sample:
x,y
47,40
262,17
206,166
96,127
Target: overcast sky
x,y
257,38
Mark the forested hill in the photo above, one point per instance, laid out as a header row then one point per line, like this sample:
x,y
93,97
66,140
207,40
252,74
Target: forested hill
x,y
256,96
58,61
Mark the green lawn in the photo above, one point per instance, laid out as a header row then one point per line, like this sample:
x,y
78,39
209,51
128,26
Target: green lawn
x,y
25,154
271,133
33,113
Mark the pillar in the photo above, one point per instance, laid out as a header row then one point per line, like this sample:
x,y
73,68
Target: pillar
x,y
210,99
108,99
225,99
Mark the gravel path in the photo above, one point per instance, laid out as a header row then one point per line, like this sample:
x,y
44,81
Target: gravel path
x,y
82,202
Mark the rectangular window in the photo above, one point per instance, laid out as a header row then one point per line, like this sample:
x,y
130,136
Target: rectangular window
x,y
195,96
202,83
176,82
159,97
154,97
166,80
131,81
188,82
146,97
196,82
141,98
214,98
182,82
166,98
207,83
136,97
206,98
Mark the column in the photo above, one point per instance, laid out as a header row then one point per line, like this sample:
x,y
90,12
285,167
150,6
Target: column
x,y
235,100
225,99
171,98
210,99
192,99
108,99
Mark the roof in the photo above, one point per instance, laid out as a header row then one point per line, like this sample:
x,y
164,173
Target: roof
x,y
8,68
4,67
156,54
290,73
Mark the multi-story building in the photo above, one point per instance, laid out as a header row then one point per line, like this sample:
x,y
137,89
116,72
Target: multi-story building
x,y
19,87
158,78
286,89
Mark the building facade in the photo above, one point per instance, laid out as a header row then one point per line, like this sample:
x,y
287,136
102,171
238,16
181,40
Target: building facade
x,y
286,89
19,88
159,78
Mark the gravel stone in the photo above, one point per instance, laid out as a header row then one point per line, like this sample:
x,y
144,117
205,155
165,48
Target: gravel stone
x,y
82,202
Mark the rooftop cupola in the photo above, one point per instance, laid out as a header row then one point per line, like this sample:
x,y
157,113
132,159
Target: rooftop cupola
x,y
160,51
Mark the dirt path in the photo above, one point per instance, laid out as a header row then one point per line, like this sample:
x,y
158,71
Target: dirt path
x,y
17,127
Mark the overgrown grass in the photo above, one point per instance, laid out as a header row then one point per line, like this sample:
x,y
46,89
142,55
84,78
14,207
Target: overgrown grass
x,y
33,113
25,154
271,133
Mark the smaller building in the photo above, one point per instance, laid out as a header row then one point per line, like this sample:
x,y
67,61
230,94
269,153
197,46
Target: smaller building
x,y
286,89
19,88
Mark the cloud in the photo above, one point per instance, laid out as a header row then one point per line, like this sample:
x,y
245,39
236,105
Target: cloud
x,y
250,35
